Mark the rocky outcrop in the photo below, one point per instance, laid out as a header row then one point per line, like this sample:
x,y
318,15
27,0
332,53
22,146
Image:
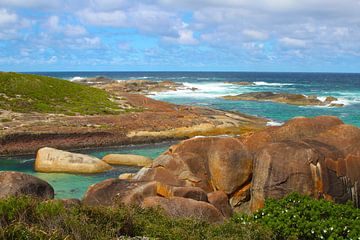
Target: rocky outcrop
x,y
316,157
127,160
53,160
18,184
185,207
289,98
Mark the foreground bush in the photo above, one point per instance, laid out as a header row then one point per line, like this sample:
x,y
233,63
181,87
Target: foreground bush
x,y
27,218
294,217
301,217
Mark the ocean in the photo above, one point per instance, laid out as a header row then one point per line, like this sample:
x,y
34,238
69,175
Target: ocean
x,y
211,86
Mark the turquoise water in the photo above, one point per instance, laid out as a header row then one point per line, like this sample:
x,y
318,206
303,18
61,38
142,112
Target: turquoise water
x,y
75,185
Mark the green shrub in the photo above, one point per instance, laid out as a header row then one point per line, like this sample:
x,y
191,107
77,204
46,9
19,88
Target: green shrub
x,y
27,218
301,217
294,217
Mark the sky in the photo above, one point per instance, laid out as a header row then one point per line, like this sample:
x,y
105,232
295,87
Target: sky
x,y
174,35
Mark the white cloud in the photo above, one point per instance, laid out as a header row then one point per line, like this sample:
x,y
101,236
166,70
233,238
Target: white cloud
x,y
185,37
257,35
293,42
7,18
30,3
113,18
53,25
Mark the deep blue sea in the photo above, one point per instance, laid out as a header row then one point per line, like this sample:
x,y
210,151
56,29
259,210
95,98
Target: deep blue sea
x,y
211,86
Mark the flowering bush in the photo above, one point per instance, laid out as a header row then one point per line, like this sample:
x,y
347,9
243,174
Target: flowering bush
x,y
301,217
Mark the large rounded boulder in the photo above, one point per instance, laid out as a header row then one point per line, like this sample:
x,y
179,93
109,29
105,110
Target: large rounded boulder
x,y
51,160
212,163
18,184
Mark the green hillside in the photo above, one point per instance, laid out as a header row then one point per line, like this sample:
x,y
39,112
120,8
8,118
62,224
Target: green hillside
x,y
32,93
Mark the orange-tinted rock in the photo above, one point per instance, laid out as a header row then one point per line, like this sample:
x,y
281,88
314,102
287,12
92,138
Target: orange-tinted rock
x,y
220,200
241,196
310,168
186,207
295,129
168,191
115,191
220,163
344,137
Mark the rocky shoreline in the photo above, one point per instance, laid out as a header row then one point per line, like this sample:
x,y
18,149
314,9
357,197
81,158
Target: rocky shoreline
x,y
211,177
156,122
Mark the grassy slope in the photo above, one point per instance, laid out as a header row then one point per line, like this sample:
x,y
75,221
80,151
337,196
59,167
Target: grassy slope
x,y
32,93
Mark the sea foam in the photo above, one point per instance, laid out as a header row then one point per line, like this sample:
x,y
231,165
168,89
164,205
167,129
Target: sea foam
x,y
273,123
77,78
260,83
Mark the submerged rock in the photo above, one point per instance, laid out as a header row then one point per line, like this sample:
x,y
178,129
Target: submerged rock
x,y
289,98
242,83
17,184
53,160
127,159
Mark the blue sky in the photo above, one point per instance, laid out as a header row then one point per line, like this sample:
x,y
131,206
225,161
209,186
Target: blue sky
x,y
165,35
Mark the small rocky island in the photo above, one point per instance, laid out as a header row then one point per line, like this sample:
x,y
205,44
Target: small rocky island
x,y
132,86
288,98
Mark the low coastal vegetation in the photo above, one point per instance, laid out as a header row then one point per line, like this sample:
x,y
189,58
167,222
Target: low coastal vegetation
x,y
32,93
294,217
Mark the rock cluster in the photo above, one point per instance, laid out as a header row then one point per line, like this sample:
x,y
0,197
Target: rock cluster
x,y
319,157
289,98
